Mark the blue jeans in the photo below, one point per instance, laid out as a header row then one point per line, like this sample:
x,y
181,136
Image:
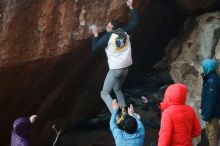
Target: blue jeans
x,y
114,81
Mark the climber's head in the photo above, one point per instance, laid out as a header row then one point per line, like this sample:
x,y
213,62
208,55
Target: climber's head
x,y
113,25
130,125
127,123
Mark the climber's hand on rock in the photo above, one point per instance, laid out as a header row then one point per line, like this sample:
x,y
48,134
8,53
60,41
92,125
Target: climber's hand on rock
x,y
130,4
95,30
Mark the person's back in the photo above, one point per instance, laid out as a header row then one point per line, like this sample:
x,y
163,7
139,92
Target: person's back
x,y
179,123
118,49
123,138
133,133
19,132
129,140
183,119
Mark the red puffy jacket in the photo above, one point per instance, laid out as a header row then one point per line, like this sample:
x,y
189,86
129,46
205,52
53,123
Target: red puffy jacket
x,y
179,123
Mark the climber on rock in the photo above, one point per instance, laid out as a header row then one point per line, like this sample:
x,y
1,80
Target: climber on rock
x,y
116,43
20,130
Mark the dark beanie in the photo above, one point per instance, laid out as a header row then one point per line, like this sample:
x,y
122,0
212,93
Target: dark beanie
x,y
116,24
130,125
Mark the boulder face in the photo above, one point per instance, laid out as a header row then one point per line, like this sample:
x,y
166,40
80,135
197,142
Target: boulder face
x,y
199,40
198,6
46,64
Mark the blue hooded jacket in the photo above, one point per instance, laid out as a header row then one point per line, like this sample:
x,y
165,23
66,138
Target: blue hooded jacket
x,y
209,65
123,138
210,103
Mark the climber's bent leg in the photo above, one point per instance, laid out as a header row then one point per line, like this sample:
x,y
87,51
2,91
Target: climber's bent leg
x,y
120,76
107,88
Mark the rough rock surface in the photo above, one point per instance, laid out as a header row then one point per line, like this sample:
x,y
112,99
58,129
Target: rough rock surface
x,y
198,6
46,66
199,40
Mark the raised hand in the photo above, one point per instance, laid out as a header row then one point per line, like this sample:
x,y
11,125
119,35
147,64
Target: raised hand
x,y
33,118
115,105
138,116
144,99
131,110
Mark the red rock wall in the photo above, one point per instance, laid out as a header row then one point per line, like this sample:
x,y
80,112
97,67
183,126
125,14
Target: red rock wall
x,y
46,65
198,6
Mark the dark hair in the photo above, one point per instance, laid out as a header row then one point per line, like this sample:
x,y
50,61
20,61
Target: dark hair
x,y
116,24
130,125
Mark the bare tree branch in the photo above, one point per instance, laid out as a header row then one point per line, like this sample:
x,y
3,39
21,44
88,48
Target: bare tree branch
x,y
57,133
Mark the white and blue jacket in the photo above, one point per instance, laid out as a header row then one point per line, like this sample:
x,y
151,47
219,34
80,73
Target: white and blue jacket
x,y
117,44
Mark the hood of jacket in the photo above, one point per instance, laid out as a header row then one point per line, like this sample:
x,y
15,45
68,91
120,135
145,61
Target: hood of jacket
x,y
21,126
175,94
209,65
120,32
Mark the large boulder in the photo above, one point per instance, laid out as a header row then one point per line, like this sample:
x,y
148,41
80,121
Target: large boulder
x,y
199,40
46,66
198,6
